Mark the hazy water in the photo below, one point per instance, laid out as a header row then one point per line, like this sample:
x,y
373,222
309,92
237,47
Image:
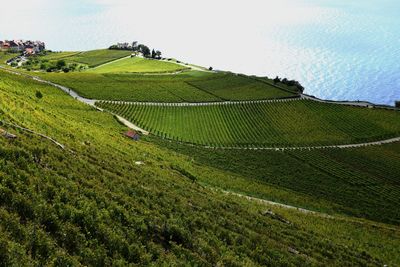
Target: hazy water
x,y
350,51
338,49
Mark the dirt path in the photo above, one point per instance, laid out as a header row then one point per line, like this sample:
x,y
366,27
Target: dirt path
x,y
130,125
110,62
272,203
192,67
75,95
33,132
190,104
309,212
375,143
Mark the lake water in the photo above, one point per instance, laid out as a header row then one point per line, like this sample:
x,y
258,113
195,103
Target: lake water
x,y
338,49
351,51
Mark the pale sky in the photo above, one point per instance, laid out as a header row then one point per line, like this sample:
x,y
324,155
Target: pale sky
x,y
205,32
333,47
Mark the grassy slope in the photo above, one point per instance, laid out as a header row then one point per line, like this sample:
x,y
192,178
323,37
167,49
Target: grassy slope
x,y
360,182
138,65
58,55
6,56
294,123
95,58
165,88
94,206
91,58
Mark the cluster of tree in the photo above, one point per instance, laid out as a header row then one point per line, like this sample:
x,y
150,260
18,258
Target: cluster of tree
x,y
290,83
34,63
397,104
138,48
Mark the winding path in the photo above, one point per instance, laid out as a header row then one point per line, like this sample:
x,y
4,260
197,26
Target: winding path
x,y
193,104
375,143
127,123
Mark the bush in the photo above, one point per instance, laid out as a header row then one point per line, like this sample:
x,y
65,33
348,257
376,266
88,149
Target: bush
x,y
39,95
60,64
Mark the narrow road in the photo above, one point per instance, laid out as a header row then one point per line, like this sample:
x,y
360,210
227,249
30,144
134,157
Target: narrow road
x,y
189,104
273,203
192,67
130,125
345,146
75,95
110,62
309,212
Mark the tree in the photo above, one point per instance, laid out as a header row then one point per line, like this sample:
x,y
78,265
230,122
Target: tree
x,y
397,104
134,46
60,64
276,80
158,54
145,50
153,54
210,68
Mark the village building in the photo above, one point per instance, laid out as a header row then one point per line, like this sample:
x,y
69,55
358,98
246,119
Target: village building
x,y
28,47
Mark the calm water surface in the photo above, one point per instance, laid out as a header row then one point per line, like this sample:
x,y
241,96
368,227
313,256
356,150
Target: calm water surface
x,y
350,51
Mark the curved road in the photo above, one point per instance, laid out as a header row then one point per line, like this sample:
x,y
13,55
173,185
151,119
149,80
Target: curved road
x,y
130,125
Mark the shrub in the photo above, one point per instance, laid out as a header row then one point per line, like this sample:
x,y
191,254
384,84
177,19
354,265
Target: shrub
x,y
60,64
39,95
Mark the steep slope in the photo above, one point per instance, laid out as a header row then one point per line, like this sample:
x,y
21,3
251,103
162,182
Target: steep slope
x,y
276,123
105,200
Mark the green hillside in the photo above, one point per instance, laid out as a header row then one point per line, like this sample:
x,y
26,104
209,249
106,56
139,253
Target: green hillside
x,y
362,182
138,65
267,124
58,55
193,86
95,58
92,204
4,56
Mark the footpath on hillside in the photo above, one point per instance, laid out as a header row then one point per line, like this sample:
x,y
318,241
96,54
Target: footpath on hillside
x,y
127,123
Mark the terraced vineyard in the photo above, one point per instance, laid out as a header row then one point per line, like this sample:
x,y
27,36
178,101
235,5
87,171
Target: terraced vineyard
x,y
59,55
90,58
232,87
362,182
190,86
138,65
272,124
95,58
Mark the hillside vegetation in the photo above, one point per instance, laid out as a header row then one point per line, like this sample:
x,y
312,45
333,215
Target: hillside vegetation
x,y
95,58
138,65
362,182
190,86
90,204
268,124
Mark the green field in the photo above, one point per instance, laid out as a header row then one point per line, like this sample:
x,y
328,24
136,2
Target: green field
x,y
95,58
277,124
58,55
138,65
184,87
91,58
91,205
4,56
362,182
